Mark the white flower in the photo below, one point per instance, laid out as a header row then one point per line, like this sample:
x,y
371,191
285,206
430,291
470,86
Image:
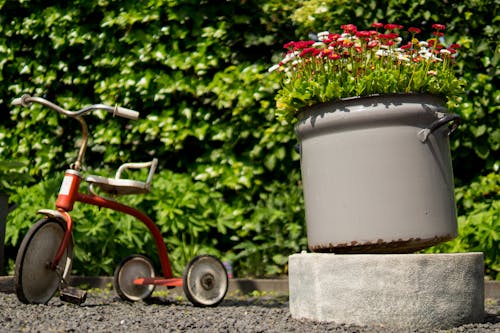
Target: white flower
x,y
273,68
423,43
289,57
423,50
323,35
444,51
426,55
403,58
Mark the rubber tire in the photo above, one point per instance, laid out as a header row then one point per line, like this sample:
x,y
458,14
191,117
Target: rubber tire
x,y
205,281
35,282
133,267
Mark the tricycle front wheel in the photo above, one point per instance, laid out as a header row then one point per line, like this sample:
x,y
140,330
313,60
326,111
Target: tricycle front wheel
x,y
205,281
35,281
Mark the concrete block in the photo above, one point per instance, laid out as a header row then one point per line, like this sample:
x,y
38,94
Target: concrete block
x,y
419,291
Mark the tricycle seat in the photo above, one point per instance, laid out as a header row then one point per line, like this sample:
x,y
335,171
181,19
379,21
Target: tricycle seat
x,y
118,185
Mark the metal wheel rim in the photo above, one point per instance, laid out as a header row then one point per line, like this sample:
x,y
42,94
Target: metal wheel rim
x,y
133,268
35,281
206,281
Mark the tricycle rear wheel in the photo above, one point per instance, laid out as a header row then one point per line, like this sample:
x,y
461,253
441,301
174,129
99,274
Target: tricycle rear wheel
x,y
133,267
205,281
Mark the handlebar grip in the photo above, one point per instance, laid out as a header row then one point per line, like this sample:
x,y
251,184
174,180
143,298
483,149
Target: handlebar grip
x,y
17,101
126,113
22,101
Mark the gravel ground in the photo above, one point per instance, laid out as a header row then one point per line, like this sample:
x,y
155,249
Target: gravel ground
x,y
105,312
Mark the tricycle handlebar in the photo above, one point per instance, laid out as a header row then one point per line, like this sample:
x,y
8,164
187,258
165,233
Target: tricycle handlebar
x,y
26,100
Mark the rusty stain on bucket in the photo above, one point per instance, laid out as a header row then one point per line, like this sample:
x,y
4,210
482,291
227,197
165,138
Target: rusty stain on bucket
x,y
381,246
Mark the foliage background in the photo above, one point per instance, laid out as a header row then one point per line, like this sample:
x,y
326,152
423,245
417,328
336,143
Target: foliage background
x,y
229,180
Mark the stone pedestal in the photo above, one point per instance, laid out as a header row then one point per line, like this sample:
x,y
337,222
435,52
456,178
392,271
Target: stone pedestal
x,y
424,291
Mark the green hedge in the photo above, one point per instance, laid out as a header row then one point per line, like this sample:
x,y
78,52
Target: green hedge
x,y
228,180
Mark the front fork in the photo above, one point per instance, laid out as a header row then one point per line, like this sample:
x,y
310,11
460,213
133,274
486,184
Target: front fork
x,y
65,200
64,204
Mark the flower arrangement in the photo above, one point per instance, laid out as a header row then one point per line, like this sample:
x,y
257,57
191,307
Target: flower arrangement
x,y
362,63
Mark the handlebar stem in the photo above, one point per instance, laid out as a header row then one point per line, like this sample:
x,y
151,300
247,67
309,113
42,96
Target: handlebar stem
x,y
27,100
83,147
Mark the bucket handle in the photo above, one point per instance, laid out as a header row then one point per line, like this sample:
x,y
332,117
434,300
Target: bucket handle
x,y
423,134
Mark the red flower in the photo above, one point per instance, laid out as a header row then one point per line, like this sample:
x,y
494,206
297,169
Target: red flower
x,y
391,35
307,51
406,46
334,56
377,25
414,30
346,43
349,28
373,43
455,46
438,33
390,26
438,26
333,36
417,59
298,45
363,33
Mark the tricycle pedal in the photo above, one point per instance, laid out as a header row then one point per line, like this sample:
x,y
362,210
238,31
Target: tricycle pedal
x,y
73,295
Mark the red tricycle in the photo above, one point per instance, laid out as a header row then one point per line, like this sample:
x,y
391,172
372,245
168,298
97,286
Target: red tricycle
x,y
44,260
